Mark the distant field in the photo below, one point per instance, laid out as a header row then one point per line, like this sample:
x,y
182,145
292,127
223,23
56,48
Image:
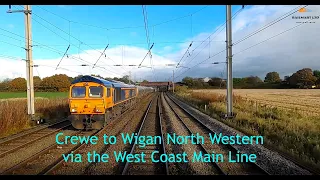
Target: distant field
x,y
7,95
307,100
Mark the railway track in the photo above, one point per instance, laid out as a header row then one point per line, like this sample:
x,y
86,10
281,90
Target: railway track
x,y
194,126
46,159
51,157
58,165
49,160
18,142
151,126
307,166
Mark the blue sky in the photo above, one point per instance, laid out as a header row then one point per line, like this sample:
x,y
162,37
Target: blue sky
x,y
109,17
171,28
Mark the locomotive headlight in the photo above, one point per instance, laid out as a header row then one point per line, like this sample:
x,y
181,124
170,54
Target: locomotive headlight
x,y
98,110
73,110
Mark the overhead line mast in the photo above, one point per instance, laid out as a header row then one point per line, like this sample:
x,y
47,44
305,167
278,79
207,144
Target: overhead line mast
x,y
229,44
229,63
29,62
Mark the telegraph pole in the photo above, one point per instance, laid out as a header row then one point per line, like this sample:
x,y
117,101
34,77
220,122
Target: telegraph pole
x,y
172,80
229,63
29,61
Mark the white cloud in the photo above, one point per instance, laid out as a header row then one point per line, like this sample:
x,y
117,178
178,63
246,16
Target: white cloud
x,y
285,53
12,69
71,65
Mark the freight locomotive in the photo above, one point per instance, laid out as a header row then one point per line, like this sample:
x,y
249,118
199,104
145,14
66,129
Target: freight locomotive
x,y
94,102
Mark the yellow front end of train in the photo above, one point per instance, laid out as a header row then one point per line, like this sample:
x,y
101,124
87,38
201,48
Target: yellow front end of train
x,y
94,102
88,101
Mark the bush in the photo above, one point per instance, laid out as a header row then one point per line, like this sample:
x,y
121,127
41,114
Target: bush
x,y
14,118
181,89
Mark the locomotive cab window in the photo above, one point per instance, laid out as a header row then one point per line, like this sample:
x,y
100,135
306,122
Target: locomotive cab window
x,y
78,92
95,91
108,92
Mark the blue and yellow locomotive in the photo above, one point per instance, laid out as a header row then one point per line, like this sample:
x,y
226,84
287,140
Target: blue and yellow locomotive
x,y
94,102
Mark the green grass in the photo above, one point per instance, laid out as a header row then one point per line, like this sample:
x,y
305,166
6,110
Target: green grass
x,y
290,131
7,95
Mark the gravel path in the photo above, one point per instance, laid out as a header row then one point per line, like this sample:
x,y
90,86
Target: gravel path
x,y
271,161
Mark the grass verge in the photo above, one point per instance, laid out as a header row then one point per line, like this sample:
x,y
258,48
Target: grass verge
x,y
290,131
14,118
51,95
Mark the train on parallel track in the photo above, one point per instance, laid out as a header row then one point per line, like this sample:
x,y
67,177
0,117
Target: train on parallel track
x,y
94,102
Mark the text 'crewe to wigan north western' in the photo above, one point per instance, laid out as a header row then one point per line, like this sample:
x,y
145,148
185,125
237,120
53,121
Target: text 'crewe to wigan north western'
x,y
232,156
142,141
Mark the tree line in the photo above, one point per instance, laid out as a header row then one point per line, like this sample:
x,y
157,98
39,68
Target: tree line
x,y
55,83
303,78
